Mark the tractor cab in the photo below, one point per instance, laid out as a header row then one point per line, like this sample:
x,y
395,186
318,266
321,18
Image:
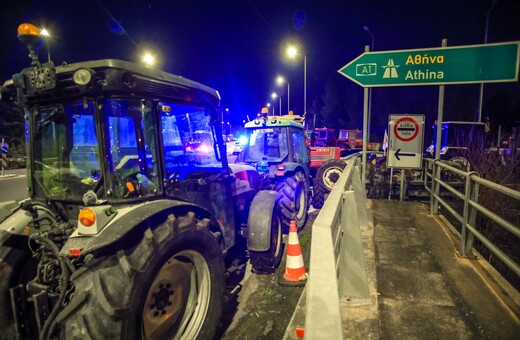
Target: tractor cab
x,y
276,144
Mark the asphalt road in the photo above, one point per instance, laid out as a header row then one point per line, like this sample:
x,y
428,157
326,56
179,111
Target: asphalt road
x,y
13,185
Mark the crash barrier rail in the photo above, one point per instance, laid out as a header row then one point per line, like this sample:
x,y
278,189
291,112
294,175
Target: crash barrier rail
x,y
337,267
433,183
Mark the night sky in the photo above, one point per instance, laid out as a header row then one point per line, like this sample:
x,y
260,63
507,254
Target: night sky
x,y
237,47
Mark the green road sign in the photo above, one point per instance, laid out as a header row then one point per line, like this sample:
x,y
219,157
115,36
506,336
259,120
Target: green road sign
x,y
490,63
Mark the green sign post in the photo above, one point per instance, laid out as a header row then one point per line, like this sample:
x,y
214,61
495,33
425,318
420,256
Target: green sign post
x,y
487,63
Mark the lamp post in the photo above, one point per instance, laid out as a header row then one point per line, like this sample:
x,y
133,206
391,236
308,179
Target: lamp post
x,y
148,59
273,96
47,35
279,81
369,89
481,95
268,106
292,52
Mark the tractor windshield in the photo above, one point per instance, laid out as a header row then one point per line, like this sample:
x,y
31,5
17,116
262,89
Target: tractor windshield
x,y
267,144
65,153
67,160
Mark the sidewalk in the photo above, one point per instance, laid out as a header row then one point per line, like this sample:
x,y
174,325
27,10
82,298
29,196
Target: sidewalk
x,y
420,288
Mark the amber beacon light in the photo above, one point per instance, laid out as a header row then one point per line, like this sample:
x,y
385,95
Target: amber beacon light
x,y
28,29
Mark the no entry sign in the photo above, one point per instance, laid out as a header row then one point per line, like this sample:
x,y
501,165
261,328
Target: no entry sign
x,y
406,129
405,149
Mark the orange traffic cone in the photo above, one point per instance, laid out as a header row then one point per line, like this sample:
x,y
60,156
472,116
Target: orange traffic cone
x,y
295,274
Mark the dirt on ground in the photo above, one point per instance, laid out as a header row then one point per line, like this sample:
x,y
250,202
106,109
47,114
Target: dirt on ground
x,y
263,308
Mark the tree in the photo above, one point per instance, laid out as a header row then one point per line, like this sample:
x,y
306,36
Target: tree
x,y
341,107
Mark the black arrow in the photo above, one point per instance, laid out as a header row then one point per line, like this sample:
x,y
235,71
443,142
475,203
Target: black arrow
x,y
397,154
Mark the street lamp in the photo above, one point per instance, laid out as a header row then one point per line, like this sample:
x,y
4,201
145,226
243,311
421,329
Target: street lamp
x,y
481,96
369,89
268,106
274,95
280,80
148,59
292,52
47,35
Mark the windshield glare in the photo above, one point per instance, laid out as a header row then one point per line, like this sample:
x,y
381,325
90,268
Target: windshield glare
x,y
267,144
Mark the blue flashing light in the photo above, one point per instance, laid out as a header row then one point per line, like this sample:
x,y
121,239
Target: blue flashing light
x,y
242,140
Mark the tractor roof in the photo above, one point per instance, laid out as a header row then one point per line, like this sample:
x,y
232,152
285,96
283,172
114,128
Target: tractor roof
x,y
273,121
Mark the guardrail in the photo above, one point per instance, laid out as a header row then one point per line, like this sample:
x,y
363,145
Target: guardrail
x,y
433,183
331,266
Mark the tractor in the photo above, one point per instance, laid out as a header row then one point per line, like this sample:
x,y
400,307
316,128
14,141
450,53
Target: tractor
x,y
132,209
278,149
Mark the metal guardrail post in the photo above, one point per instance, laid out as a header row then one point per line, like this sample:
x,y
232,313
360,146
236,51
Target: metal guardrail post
x,y
434,205
469,215
472,215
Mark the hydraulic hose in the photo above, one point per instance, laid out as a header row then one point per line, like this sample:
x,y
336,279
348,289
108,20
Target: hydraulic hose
x,y
49,324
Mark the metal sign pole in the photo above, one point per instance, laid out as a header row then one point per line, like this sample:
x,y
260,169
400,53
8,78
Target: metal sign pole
x,y
435,207
365,132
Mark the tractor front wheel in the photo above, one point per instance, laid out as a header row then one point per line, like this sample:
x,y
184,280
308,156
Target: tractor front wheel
x,y
169,286
293,199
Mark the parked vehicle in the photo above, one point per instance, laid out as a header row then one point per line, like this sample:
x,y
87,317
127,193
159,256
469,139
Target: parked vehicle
x,y
128,223
16,162
277,148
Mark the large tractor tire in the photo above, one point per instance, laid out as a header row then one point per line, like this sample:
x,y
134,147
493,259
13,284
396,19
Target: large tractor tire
x,y
264,205
169,286
17,267
326,177
293,199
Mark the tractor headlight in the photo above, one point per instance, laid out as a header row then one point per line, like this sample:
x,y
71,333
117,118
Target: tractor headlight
x,y
82,77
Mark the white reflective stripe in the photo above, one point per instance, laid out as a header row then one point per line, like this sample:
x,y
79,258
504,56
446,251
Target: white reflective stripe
x,y
293,238
295,262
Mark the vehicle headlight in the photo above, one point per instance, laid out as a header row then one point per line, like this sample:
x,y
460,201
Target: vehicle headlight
x,y
82,77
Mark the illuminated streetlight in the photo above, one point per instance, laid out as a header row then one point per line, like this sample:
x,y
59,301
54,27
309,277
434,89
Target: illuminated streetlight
x,y
149,59
292,52
274,95
47,35
280,80
268,106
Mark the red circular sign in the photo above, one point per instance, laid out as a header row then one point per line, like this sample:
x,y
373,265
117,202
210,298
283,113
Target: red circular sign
x,y
406,129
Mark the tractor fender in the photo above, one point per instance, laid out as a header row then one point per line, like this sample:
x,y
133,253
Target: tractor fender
x,y
132,221
263,207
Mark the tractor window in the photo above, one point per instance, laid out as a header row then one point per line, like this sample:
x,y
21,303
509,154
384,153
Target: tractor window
x,y
66,154
188,139
301,153
131,147
268,144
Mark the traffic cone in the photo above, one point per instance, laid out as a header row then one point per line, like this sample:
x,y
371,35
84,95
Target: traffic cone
x,y
295,274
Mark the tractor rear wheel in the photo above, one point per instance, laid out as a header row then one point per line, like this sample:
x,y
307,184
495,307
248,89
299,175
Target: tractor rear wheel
x,y
326,177
169,286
